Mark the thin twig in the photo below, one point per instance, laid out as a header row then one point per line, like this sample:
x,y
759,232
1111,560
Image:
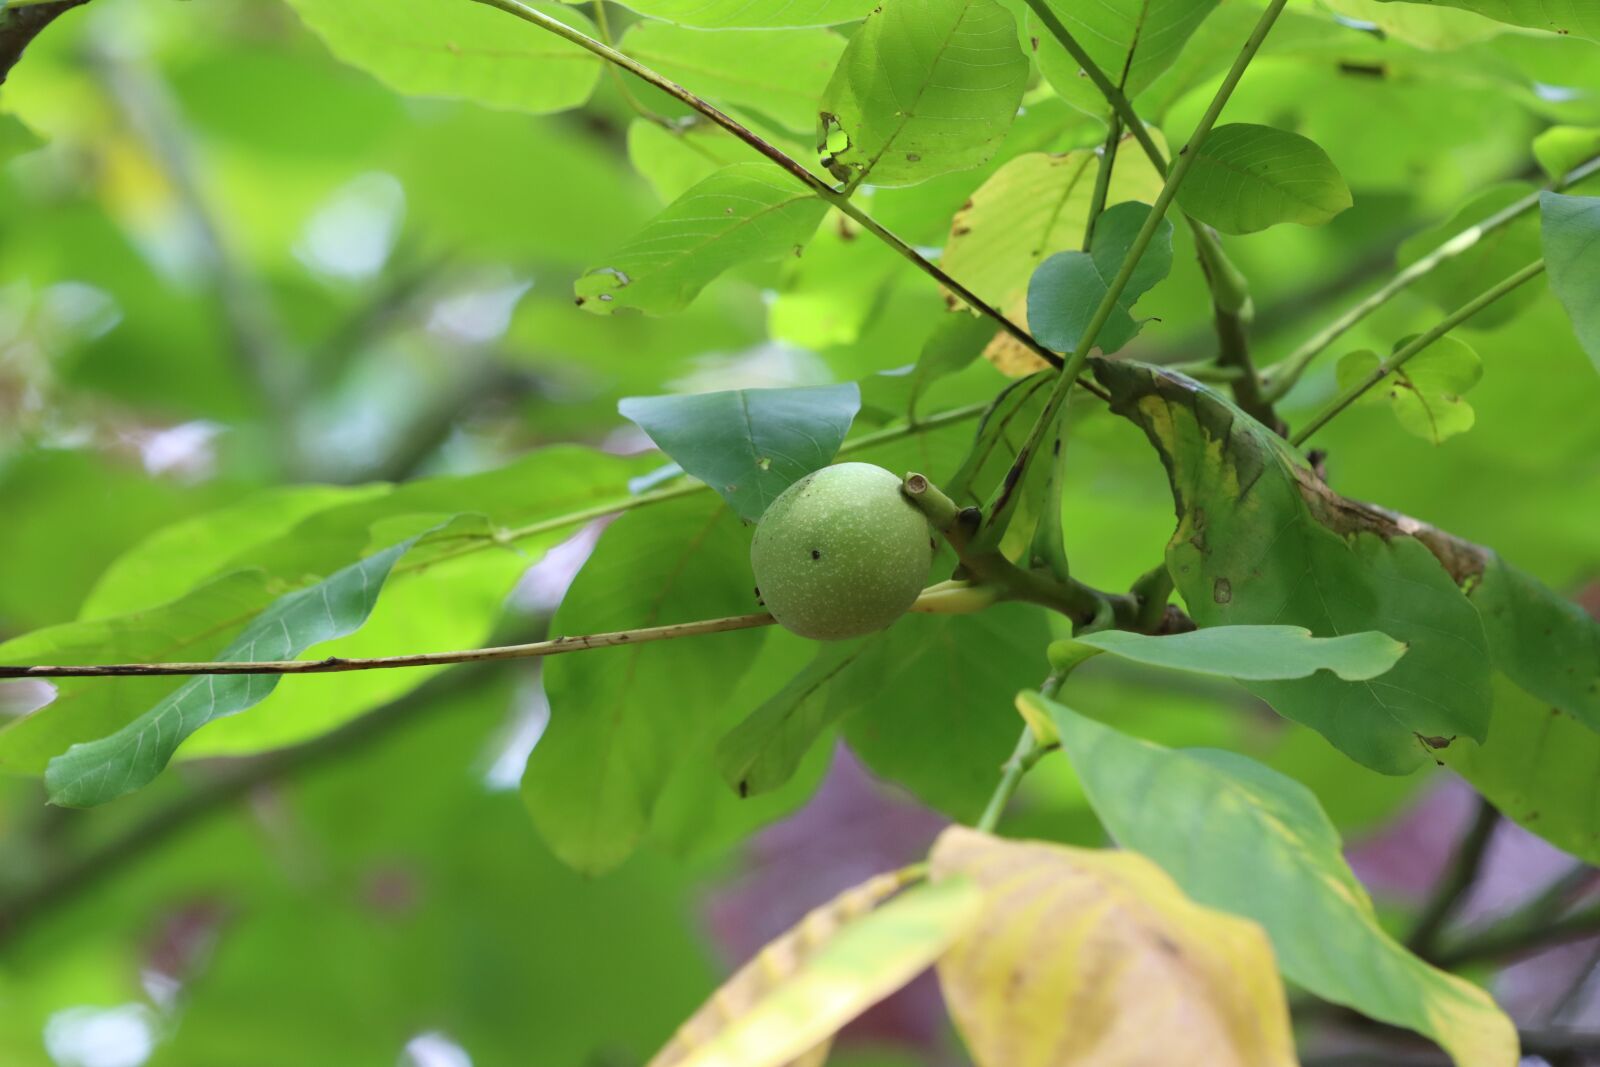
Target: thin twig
x,y
1027,753
1504,944
338,665
1169,191
688,488
1023,757
793,167
1453,888
1279,379
1417,344
20,25
1102,177
1230,295
602,22
938,599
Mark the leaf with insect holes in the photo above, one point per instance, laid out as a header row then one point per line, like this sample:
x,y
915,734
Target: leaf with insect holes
x,y
740,214
461,51
1246,178
1426,391
925,87
1067,289
834,964
1083,957
1570,228
749,444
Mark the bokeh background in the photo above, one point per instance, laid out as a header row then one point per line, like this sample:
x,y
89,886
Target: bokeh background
x,y
229,262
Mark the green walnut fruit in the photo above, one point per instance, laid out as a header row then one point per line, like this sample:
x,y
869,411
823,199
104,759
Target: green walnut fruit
x,y
841,553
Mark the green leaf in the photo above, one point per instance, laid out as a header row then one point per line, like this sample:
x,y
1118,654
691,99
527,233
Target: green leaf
x,y
196,625
1133,41
1262,653
696,815
914,694
1433,28
864,961
673,159
186,590
1247,178
1546,644
925,87
829,295
937,723
622,718
1538,767
777,73
749,444
462,51
1032,207
1555,16
1269,853
1562,148
16,138
1487,259
955,343
1571,233
1065,291
1259,541
99,771
1425,393
763,751
749,211
171,561
732,14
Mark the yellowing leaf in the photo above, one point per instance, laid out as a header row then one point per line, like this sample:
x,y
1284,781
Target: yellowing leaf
x,y
786,1004
1095,957
1031,208
1008,355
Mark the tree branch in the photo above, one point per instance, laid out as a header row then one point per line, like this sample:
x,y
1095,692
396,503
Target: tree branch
x,y
20,25
1452,890
1280,378
1522,934
337,665
1169,191
1230,293
939,599
818,187
1422,341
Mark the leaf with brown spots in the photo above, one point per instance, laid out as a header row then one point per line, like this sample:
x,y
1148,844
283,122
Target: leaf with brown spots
x,y
1261,541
